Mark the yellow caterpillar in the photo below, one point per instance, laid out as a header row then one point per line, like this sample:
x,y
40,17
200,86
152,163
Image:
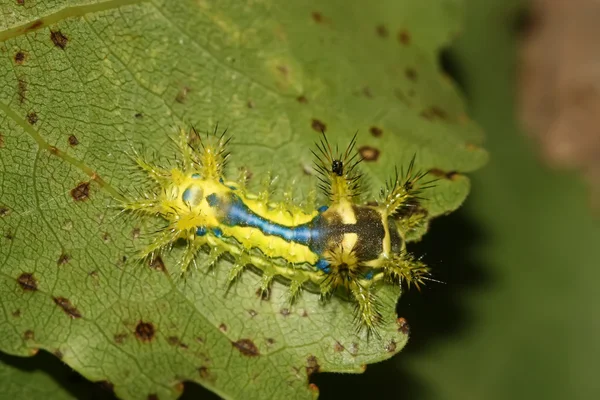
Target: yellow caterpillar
x,y
343,246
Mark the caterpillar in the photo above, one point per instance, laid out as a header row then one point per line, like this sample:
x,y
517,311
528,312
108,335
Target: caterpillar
x,y
342,247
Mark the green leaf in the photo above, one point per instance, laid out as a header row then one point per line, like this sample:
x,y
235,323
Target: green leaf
x,y
84,82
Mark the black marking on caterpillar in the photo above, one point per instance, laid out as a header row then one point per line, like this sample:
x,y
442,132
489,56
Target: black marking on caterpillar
x,y
343,246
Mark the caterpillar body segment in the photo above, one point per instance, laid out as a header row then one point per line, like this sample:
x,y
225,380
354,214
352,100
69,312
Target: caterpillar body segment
x,y
342,246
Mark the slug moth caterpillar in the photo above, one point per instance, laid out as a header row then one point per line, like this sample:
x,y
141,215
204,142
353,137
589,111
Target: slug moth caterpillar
x,y
342,247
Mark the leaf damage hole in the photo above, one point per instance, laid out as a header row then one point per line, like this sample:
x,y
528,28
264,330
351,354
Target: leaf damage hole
x,y
20,57
318,126
382,31
4,211
81,192
312,365
375,131
144,331
246,347
16,313
369,153
451,175
73,141
404,37
252,313
27,282
67,307
32,118
403,326
223,327
59,39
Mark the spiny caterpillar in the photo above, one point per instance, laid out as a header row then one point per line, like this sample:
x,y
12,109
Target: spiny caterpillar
x,y
341,247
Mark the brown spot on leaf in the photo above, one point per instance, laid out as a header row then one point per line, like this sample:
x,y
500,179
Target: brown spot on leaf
x,y
369,153
20,2
16,313
34,25
318,125
27,282
152,396
223,327
367,92
285,312
252,313
283,70
391,346
67,307
54,150
73,141
317,17
135,233
20,57
250,104
59,39
411,74
144,331
434,112
205,374
382,31
451,175
312,365
28,335
338,347
1,141
105,237
375,131
270,341
175,341
404,37
313,388
182,94
246,347
4,211
59,354
302,99
157,264
63,259
81,192
139,115
354,349
304,313
119,338
32,118
403,326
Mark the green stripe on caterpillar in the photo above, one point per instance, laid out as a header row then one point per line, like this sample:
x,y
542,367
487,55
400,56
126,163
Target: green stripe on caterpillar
x,y
342,247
